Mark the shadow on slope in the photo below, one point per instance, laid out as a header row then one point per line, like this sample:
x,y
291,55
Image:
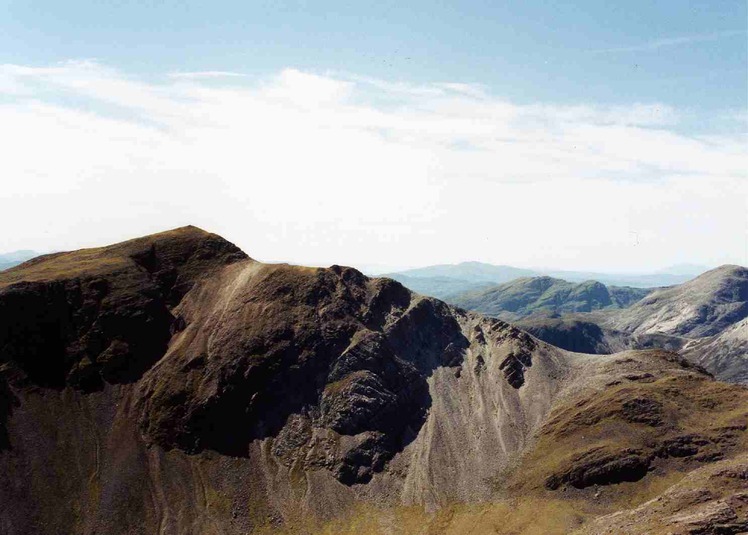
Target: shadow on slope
x,y
329,364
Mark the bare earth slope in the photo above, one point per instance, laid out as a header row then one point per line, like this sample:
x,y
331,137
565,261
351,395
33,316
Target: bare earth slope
x,y
170,384
724,354
703,306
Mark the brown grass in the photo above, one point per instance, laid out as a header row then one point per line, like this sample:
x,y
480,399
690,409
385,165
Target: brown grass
x,y
94,261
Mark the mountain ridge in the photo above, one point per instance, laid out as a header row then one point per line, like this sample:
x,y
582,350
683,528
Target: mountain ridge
x,y
448,280
173,384
704,319
525,296
702,306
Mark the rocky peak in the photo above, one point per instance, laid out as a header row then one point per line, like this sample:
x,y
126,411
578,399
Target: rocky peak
x,y
102,314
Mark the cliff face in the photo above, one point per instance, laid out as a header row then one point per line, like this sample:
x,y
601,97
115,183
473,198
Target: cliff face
x,y
170,384
337,354
177,350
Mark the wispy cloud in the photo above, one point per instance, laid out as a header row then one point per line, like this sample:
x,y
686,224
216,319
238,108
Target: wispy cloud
x,y
667,42
356,169
207,74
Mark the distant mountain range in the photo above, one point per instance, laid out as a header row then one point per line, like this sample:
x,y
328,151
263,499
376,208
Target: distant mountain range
x,y
704,319
446,281
8,260
546,295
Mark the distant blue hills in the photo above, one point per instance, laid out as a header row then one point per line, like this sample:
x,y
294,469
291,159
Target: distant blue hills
x,y
448,280
8,260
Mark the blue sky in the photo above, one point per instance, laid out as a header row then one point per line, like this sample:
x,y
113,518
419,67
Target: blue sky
x,y
690,54
399,134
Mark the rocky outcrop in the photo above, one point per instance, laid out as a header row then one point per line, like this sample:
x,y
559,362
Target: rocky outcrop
x,y
669,424
599,467
710,500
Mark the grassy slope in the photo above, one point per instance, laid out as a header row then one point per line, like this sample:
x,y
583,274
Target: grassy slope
x,y
546,295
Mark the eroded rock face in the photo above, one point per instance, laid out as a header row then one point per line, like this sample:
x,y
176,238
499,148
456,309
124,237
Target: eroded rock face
x,y
329,366
345,354
519,359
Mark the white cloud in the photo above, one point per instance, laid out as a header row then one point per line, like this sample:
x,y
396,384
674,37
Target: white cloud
x,y
207,74
322,168
666,42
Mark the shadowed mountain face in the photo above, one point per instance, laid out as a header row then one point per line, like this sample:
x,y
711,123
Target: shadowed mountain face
x,y
171,384
340,354
101,314
545,295
575,332
573,335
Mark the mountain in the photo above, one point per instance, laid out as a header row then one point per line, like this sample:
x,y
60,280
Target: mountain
x,y
724,354
440,287
546,295
703,306
8,260
171,384
704,319
468,271
447,281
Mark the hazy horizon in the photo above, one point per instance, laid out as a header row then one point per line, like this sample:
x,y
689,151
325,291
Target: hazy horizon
x,y
384,269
